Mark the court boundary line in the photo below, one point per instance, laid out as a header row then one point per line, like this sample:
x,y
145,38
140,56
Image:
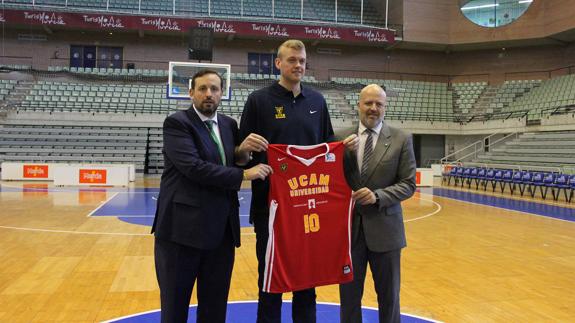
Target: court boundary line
x,y
102,204
517,198
502,208
255,302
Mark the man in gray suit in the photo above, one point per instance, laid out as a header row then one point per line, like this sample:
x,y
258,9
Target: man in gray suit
x,y
381,174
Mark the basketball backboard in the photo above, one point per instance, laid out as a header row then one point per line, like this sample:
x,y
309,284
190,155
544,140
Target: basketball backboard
x,y
180,78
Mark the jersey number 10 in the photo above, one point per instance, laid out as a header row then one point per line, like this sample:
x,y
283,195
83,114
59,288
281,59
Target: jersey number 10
x,y
311,222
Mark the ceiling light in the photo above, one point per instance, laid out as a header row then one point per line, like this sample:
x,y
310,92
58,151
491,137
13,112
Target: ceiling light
x,y
481,6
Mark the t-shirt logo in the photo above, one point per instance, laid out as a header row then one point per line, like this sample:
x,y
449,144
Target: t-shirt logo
x,y
329,157
283,167
280,113
346,269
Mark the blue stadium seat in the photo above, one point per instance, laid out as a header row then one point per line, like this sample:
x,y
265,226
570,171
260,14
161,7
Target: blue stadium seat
x,y
536,181
453,174
525,182
480,177
516,180
472,176
459,175
506,179
548,182
571,187
466,176
497,178
561,183
489,179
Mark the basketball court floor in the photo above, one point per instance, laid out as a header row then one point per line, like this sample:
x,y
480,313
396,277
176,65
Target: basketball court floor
x,y
86,255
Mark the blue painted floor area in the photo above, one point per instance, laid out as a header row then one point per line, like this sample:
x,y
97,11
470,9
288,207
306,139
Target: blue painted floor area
x,y
139,207
547,210
10,189
245,312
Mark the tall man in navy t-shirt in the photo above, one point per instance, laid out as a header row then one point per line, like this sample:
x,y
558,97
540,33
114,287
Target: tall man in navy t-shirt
x,y
284,113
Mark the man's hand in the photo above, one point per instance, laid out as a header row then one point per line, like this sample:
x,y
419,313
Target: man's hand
x,y
351,142
364,196
253,142
260,171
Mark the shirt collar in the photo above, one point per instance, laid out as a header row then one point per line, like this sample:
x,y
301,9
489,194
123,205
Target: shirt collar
x,y
376,129
284,92
204,118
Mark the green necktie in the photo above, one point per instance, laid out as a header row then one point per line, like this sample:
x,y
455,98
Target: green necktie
x,y
210,124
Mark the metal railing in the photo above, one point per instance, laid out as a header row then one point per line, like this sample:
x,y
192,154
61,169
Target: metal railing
x,y
472,150
306,13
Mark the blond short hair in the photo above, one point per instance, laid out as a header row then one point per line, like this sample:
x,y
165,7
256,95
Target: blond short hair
x,y
291,43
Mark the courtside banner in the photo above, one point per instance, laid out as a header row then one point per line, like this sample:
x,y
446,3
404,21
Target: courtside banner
x,y
35,171
92,176
179,25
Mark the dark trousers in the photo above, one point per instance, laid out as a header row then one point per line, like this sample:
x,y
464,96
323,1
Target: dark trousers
x,y
178,266
385,268
270,304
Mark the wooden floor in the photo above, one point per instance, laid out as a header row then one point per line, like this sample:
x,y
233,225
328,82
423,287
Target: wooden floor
x,y
464,262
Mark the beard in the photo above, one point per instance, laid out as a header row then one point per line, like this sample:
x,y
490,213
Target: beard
x,y
207,108
372,120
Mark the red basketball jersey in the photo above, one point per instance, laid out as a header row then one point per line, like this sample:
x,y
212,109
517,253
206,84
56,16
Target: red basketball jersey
x,y
310,218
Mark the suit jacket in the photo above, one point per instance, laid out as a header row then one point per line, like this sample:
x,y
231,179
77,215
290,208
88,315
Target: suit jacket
x,y
198,196
391,176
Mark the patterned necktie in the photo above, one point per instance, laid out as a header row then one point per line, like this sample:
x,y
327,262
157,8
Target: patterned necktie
x,y
367,152
210,124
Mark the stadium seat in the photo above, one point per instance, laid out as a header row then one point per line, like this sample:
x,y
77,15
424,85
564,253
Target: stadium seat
x,y
536,181
561,183
525,184
489,179
506,180
516,180
497,178
548,182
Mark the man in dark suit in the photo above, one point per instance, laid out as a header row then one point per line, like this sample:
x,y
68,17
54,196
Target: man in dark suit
x,y
197,219
382,174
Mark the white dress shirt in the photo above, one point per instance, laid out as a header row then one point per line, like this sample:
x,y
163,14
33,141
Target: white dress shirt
x,y
215,124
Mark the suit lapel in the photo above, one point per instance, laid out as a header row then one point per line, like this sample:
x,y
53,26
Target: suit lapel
x,y
381,147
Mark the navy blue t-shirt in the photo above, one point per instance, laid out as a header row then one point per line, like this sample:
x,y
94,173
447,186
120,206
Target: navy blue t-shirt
x,y
273,113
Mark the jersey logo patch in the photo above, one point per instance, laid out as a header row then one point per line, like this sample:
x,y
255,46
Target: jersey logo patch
x,y
330,157
280,113
283,167
312,112
346,269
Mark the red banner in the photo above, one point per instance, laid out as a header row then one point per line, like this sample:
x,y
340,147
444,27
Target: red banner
x,y
169,24
93,176
417,178
35,171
